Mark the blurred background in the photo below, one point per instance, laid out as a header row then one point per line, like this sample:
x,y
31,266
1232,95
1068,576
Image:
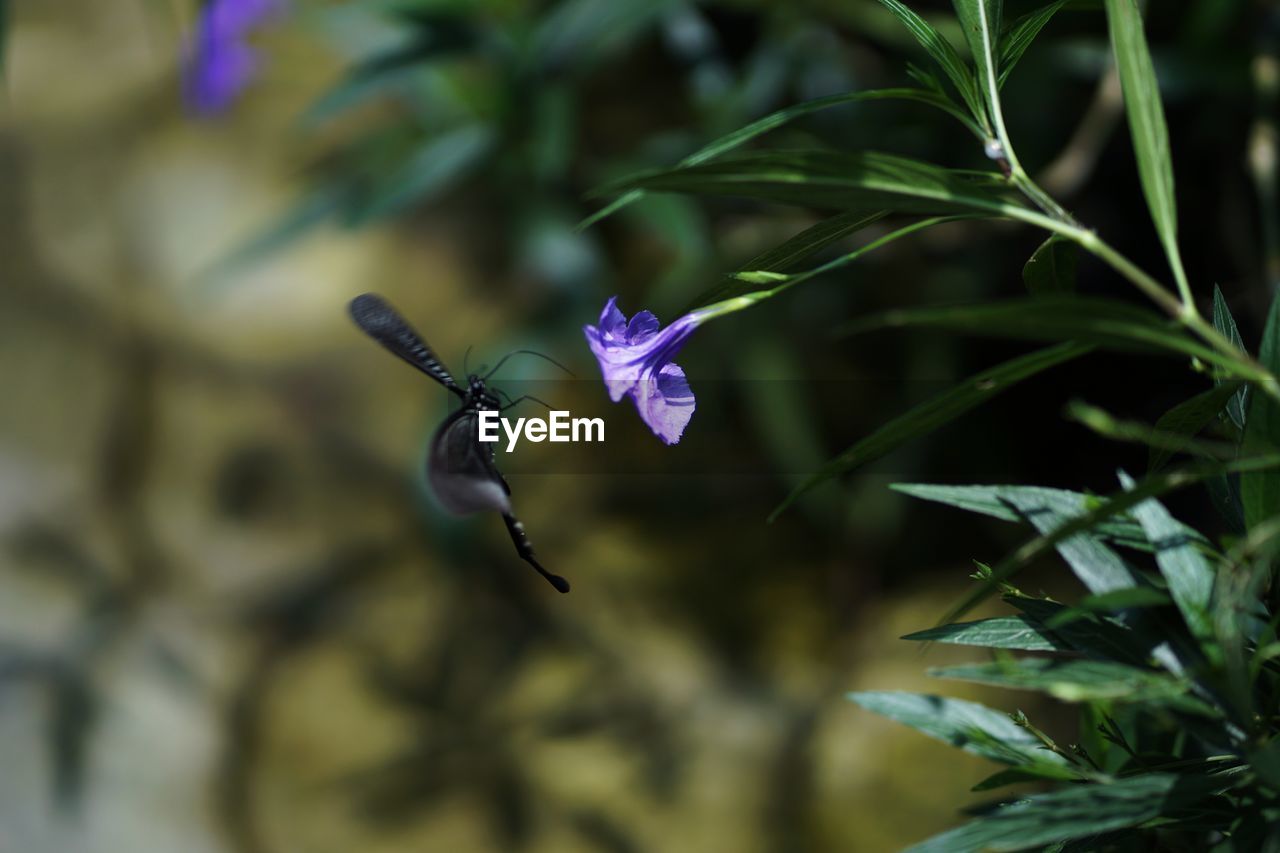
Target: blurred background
x,y
231,617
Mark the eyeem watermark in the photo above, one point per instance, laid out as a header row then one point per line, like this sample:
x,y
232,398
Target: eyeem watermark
x,y
559,427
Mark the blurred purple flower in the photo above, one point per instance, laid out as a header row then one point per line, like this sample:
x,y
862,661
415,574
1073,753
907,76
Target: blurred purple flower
x,y
635,359
218,63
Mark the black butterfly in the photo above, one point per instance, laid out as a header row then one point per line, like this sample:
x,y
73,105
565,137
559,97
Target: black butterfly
x,y
460,468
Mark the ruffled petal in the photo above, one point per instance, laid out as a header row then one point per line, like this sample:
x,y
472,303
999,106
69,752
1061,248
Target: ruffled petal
x,y
665,402
613,324
642,327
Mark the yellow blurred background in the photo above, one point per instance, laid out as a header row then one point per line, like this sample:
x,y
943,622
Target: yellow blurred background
x,y
230,619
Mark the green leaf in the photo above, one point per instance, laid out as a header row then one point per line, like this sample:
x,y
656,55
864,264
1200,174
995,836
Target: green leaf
x,y
1226,326
1000,632
947,58
937,411
965,725
1097,636
1186,572
1107,508
390,71
428,169
1097,566
995,502
1105,322
1265,760
1189,417
1019,36
775,120
840,181
1146,124
788,254
980,20
1080,681
745,288
1077,811
1104,424
1117,601
1052,269
1012,776
1260,490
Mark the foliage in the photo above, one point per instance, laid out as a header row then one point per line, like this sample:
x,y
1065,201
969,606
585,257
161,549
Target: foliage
x,y
500,103
1171,652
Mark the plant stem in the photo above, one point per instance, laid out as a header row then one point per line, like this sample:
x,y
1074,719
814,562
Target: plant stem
x,y
1181,307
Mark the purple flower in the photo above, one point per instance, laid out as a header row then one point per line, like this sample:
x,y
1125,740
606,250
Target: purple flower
x,y
219,63
635,359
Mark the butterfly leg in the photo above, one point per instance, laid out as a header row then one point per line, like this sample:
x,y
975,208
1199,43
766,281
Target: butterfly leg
x,y
525,549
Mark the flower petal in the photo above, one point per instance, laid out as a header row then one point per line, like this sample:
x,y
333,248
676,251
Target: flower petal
x,y
635,358
613,324
642,327
218,61
665,402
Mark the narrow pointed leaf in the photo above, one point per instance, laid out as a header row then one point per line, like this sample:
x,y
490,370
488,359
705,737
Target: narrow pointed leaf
x,y
1105,322
1015,776
1105,424
1146,123
437,164
938,411
390,71
1188,418
1078,811
1097,566
736,139
749,286
1110,507
1187,573
995,501
1260,490
791,252
965,725
1116,602
1052,269
1000,632
1080,681
943,53
1226,325
1100,637
1020,35
980,20
840,181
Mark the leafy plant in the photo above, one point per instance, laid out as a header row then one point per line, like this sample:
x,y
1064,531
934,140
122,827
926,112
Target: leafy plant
x,y
1170,655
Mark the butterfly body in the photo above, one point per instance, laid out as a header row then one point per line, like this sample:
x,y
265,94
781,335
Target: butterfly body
x,y
461,470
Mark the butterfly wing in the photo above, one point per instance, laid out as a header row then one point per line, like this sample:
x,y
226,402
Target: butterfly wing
x,y
375,316
461,470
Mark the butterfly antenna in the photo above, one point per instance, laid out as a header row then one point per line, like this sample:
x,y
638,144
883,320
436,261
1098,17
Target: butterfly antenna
x,y
503,361
466,355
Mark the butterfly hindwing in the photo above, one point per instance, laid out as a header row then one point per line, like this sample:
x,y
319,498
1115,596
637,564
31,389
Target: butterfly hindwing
x,y
461,469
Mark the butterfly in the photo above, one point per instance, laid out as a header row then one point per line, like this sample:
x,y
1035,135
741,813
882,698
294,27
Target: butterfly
x,y
461,470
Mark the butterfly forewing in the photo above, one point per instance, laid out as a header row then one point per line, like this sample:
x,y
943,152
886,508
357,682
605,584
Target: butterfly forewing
x,y
384,324
461,469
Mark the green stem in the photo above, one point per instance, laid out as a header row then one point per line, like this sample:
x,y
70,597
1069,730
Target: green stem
x,y
1181,307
